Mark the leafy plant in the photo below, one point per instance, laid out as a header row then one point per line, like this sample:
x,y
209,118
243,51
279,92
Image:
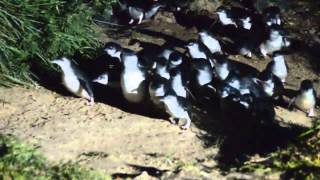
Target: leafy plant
x,y
19,161
34,32
299,161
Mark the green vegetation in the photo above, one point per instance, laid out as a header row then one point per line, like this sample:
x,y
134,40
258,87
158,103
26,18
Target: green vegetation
x,y
299,161
34,32
19,161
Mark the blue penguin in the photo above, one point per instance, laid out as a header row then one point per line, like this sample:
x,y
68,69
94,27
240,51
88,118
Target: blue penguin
x,y
138,13
133,77
161,67
158,87
196,50
176,59
306,98
102,79
208,40
225,16
113,49
74,79
203,72
278,66
275,41
272,15
224,66
270,83
178,108
178,83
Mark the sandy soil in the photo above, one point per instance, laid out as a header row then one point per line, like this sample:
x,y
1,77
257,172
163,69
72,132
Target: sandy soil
x,y
118,141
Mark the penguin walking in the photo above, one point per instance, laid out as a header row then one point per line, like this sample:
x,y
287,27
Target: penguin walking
x,y
197,50
178,82
138,13
278,66
133,77
270,83
225,16
74,79
203,72
275,41
306,98
178,108
208,40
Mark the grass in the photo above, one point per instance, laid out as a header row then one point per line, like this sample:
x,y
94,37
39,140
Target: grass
x,y
301,160
35,32
20,161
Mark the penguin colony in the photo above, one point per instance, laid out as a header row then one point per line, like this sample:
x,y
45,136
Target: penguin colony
x,y
175,82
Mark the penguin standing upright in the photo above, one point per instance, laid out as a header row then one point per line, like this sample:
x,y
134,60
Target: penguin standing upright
x,y
225,16
208,40
133,77
178,108
306,98
140,12
74,79
278,66
275,40
270,83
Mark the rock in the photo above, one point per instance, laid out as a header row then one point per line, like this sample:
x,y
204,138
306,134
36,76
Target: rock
x,y
200,5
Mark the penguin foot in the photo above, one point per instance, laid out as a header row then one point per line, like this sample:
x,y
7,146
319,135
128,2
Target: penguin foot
x,y
311,113
186,125
91,101
172,120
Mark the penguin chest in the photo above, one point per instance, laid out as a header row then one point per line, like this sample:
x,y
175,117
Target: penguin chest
x,y
269,89
280,70
73,85
178,87
306,100
174,109
204,77
212,44
197,54
273,45
132,86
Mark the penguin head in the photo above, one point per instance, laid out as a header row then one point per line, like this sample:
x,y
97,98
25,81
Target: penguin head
x,y
201,64
246,22
276,31
222,10
175,59
158,86
277,56
129,58
222,68
102,79
203,33
62,62
192,44
113,49
306,85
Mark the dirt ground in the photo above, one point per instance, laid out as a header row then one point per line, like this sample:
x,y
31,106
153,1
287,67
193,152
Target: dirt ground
x,y
121,142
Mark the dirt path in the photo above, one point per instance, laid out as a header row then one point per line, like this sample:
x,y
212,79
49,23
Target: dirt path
x,y
122,143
